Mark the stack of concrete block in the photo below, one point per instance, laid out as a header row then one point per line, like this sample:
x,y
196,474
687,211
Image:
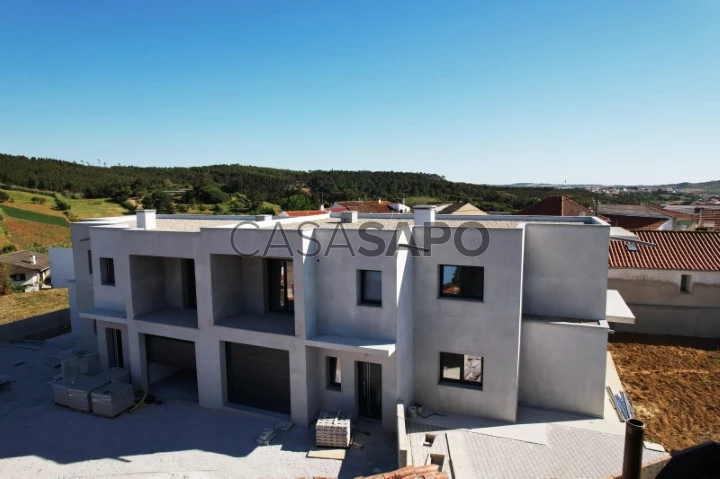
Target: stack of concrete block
x,y
267,435
88,365
60,392
112,400
331,430
80,389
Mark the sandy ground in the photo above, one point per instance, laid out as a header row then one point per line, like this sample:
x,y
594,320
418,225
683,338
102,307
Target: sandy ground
x,y
674,385
173,439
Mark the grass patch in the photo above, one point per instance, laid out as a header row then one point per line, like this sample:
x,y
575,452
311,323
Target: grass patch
x,y
17,306
96,208
27,234
84,208
23,200
11,211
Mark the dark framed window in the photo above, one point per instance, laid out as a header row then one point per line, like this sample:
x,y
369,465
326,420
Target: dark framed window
x,y
371,287
90,261
107,271
685,280
281,287
333,375
466,282
18,277
461,369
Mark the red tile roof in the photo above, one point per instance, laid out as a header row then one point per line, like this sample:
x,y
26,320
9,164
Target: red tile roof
x,y
305,212
634,223
558,206
710,216
367,206
673,250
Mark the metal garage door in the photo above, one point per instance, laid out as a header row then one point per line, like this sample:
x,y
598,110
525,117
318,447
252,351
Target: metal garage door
x,y
174,352
258,377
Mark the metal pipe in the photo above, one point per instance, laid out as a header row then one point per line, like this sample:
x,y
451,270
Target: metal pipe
x,y
632,458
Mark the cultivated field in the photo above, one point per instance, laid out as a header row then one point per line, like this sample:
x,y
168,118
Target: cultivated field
x,y
674,385
17,306
27,234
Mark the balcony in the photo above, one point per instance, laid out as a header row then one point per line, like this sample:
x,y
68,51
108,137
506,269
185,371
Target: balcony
x,y
163,290
255,294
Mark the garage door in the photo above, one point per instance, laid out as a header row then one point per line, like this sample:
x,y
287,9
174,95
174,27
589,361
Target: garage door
x,y
173,352
258,377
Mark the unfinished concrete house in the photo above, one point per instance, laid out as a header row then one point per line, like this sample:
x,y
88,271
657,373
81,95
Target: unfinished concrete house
x,y
352,312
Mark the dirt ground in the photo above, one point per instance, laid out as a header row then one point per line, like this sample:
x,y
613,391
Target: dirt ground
x,y
674,385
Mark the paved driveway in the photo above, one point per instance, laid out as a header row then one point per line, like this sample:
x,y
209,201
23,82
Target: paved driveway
x,y
173,439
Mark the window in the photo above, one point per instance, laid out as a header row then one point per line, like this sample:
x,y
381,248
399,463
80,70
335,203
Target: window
x,y
371,287
333,374
685,283
18,277
107,271
462,282
461,369
281,288
90,261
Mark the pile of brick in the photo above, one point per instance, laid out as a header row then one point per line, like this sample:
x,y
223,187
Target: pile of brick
x,y
331,430
430,471
112,400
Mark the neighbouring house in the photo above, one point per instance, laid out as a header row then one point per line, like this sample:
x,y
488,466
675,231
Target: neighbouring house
x,y
646,217
27,269
709,220
459,209
379,206
557,206
671,283
241,316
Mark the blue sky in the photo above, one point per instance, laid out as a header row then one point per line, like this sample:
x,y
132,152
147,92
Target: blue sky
x,y
478,91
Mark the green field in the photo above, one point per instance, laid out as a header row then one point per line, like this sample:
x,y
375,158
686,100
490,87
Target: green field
x,y
83,208
33,216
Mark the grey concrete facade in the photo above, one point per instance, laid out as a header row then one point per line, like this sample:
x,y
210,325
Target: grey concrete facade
x,y
537,272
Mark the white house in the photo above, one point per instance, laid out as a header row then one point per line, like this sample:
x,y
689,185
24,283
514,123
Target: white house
x,y
469,315
27,268
671,283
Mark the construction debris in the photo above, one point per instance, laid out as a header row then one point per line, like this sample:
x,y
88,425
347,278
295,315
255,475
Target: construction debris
x,y
283,426
621,404
411,472
267,435
338,454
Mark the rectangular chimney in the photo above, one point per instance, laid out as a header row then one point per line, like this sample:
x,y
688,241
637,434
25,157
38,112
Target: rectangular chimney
x,y
145,219
424,214
349,217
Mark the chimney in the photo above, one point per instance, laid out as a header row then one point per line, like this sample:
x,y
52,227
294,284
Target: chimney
x,y
145,219
33,259
424,214
348,217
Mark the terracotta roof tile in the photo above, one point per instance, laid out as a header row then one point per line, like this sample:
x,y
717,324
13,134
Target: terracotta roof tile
x,y
674,250
634,223
23,259
367,206
558,206
296,213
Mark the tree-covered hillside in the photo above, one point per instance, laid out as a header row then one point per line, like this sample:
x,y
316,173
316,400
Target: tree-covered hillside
x,y
250,186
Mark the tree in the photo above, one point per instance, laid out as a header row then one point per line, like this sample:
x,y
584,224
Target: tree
x,y
297,203
4,197
159,201
5,281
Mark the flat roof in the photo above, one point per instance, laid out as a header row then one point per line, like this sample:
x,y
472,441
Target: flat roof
x,y
194,223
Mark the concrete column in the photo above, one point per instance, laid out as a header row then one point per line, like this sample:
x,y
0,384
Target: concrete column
x,y
137,358
210,371
298,385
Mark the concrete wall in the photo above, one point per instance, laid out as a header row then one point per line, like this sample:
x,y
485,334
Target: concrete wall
x,y
488,328
660,307
562,366
62,266
565,267
35,325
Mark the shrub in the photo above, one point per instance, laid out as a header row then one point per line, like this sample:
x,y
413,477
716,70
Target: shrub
x,y
8,248
38,200
5,281
4,197
62,204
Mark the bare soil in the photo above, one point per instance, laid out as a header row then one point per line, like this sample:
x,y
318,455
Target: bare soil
x,y
674,385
